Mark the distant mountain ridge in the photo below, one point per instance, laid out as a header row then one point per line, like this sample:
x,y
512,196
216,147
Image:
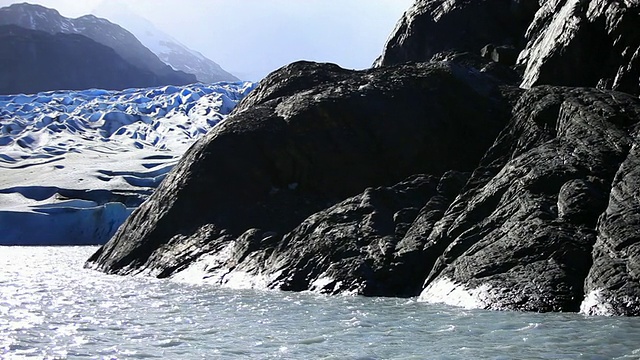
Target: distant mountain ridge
x,y
125,44
182,58
168,49
32,61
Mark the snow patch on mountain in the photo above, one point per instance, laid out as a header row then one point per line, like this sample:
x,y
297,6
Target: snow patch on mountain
x,y
123,42
167,48
74,164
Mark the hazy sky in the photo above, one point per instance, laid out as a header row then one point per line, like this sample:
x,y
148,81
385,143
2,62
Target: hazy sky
x,y
250,38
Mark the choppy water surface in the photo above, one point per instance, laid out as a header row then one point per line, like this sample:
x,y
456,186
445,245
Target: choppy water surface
x,y
52,308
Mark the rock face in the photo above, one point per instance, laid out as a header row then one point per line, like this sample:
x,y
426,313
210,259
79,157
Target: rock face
x,y
362,240
524,229
560,42
433,26
584,43
440,179
613,283
302,150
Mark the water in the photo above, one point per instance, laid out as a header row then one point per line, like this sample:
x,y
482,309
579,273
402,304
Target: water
x,y
52,308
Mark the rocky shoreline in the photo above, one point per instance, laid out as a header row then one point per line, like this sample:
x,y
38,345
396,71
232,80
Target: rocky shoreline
x,y
448,171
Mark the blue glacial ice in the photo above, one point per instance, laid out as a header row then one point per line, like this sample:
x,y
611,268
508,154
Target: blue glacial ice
x,y
74,164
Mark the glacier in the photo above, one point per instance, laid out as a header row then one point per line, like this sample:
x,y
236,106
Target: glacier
x,y
75,164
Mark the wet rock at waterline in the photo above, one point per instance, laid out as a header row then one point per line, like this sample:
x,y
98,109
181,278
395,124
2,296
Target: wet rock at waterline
x,y
519,234
524,231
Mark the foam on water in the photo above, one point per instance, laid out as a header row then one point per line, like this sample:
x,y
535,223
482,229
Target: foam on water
x,y
321,282
600,302
595,304
212,269
445,291
50,307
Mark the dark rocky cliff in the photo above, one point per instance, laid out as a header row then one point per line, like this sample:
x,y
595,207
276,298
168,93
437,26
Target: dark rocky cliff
x,y
431,27
293,153
554,42
439,177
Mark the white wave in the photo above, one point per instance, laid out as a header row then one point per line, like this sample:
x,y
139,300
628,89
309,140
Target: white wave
x,y
445,291
208,268
321,283
324,284
236,279
596,303
212,269
531,326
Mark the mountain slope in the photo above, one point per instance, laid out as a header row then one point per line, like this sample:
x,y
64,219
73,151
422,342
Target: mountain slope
x,y
168,49
126,45
32,61
181,58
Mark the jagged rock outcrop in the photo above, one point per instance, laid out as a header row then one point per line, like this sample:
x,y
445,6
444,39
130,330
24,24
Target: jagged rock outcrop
x,y
584,43
438,179
308,137
433,26
355,246
613,284
521,234
556,42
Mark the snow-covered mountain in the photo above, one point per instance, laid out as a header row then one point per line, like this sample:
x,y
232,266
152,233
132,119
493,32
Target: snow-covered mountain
x,y
168,49
74,164
125,44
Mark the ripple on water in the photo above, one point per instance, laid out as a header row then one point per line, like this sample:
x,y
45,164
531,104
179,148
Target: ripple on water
x,y
51,307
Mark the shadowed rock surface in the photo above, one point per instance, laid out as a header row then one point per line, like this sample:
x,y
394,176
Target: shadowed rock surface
x,y
308,137
526,224
433,26
557,42
437,179
359,241
613,283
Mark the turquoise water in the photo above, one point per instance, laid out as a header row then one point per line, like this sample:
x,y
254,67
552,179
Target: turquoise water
x,y
50,307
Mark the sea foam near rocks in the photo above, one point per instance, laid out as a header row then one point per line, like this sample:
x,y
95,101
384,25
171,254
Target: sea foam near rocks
x,y
445,291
